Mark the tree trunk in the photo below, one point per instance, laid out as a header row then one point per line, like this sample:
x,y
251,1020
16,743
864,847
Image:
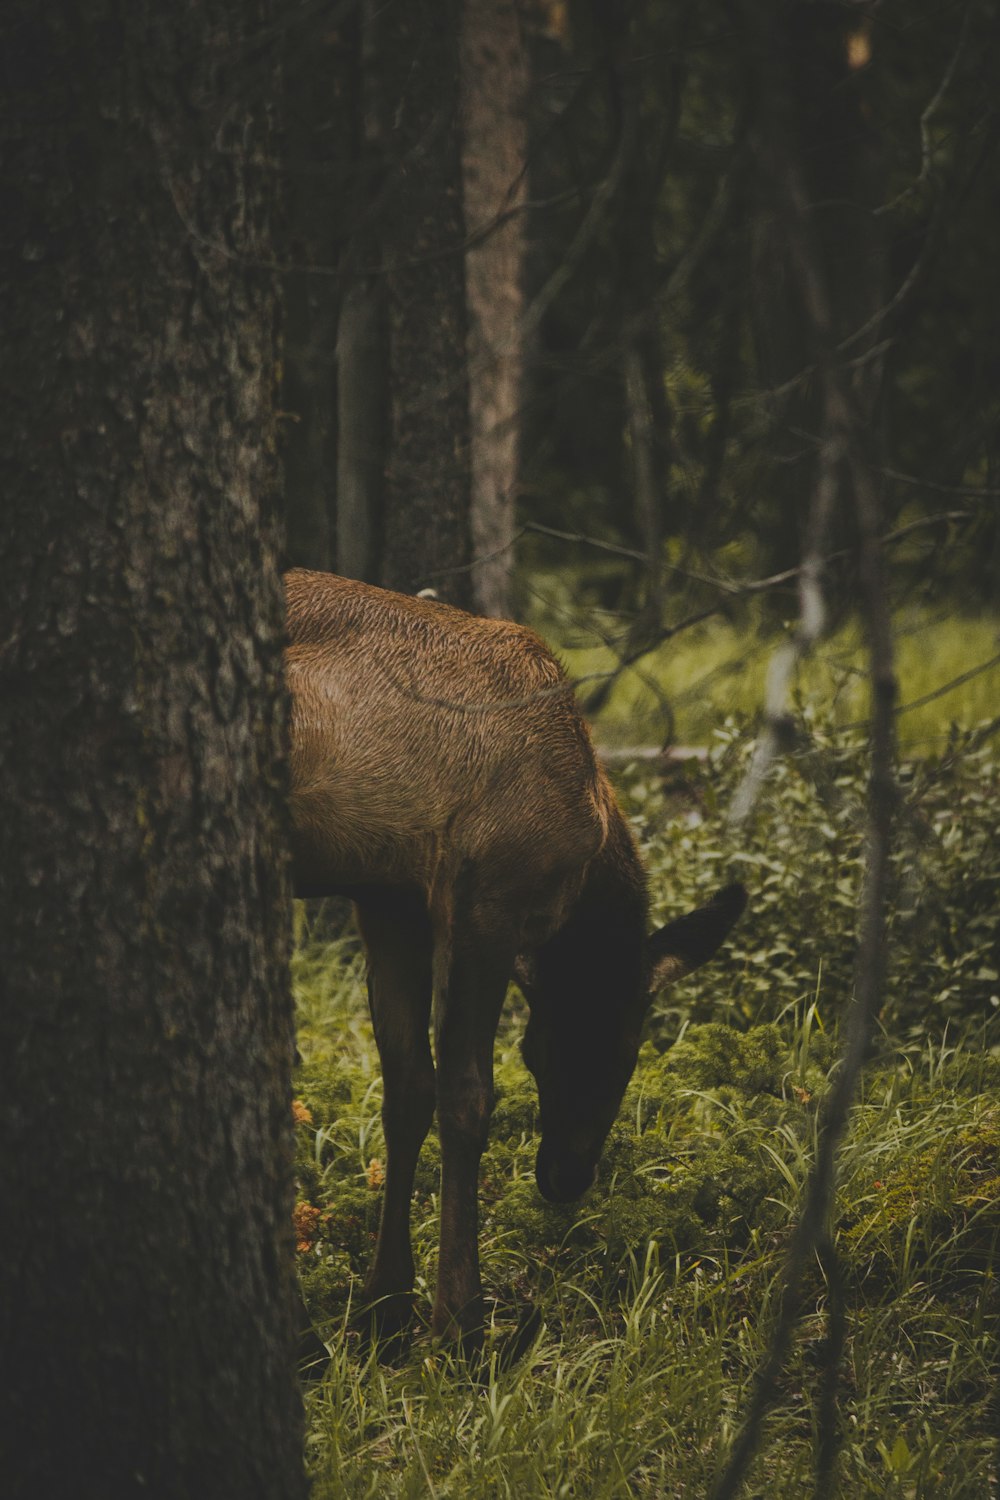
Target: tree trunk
x,y
309,387
362,352
494,148
320,170
426,491
361,358
145,1018
812,97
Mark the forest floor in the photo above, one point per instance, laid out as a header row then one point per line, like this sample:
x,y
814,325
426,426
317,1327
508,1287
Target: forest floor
x,y
654,1297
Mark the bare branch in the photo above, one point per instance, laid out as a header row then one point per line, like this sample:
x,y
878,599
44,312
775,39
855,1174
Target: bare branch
x,y
926,145
938,692
812,623
582,240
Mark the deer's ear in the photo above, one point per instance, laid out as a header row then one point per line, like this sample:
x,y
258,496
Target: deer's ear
x,y
689,942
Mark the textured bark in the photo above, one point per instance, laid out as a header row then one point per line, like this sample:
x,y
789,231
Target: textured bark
x,y
494,148
145,1019
362,351
320,108
646,141
309,401
361,358
426,490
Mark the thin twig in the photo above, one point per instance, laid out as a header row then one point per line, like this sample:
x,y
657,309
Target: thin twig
x,y
938,692
926,147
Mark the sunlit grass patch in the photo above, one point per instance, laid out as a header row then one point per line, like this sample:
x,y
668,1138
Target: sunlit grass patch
x,y
720,668
656,1294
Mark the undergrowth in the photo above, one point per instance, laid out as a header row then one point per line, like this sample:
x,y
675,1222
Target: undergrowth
x,y
654,1296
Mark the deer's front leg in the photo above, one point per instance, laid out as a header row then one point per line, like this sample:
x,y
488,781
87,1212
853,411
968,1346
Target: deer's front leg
x,y
469,1005
397,935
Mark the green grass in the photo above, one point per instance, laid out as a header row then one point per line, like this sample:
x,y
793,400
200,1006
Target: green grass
x,y
656,1293
720,668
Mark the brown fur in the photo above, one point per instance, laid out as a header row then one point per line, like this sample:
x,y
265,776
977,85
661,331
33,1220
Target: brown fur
x,y
426,741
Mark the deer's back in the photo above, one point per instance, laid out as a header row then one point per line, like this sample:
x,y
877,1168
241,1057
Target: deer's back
x,y
427,742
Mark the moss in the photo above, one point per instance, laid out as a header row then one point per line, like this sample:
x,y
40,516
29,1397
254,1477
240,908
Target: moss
x,y
324,1090
327,1277
944,1197
515,1110
715,1055
706,1163
694,1152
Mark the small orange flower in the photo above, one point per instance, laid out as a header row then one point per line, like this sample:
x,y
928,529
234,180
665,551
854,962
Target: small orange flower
x,y
305,1220
376,1174
300,1113
802,1095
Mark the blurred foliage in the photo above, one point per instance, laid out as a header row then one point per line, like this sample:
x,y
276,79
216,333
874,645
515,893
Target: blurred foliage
x,y
652,213
947,665
801,854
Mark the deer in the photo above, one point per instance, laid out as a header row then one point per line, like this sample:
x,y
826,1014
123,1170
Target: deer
x,y
444,779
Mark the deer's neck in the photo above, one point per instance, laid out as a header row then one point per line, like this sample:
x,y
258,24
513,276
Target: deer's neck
x,y
597,958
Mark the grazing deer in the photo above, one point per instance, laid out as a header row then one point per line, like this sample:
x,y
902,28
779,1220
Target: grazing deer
x,y
444,779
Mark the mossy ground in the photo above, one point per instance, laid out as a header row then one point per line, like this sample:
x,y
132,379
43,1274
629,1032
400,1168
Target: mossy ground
x,y
654,1296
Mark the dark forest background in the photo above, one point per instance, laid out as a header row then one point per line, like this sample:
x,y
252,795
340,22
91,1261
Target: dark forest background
x,y
669,222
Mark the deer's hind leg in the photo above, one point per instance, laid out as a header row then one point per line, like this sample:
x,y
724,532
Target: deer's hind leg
x,y
397,935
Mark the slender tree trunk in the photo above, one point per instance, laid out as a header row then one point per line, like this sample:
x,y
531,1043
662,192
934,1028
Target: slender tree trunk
x,y
146,1328
426,493
817,98
647,143
494,148
361,365
318,67
362,349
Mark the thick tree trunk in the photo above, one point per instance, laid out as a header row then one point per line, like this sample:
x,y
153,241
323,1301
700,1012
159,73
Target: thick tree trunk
x,y
145,1019
426,493
494,149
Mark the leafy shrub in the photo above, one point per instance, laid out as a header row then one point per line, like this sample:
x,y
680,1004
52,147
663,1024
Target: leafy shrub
x,y
801,857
